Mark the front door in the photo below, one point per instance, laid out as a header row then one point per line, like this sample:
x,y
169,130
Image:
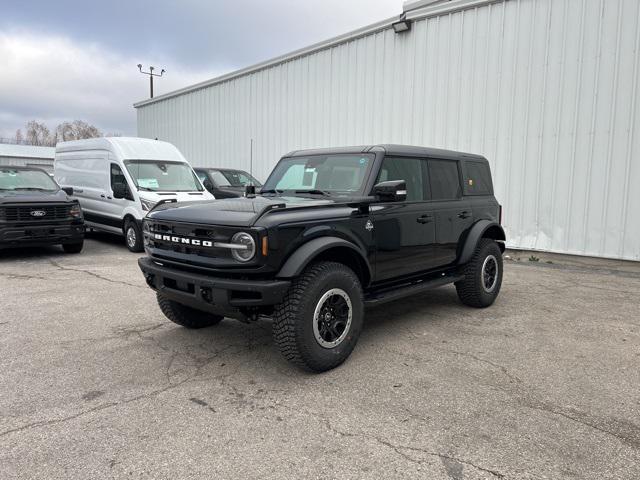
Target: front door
x,y
404,232
113,208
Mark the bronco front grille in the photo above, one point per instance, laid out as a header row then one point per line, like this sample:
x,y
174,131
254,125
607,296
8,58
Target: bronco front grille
x,y
163,236
28,213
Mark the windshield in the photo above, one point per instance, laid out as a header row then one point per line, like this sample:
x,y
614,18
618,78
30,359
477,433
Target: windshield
x,y
19,179
233,178
320,173
160,176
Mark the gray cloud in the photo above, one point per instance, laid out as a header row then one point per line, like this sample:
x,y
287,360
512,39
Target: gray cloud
x,y
67,59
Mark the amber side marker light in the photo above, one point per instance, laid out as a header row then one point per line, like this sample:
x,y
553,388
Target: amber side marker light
x,y
265,246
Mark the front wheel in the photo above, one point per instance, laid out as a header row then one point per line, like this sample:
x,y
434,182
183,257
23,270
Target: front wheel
x,y
73,247
482,275
186,316
320,319
133,236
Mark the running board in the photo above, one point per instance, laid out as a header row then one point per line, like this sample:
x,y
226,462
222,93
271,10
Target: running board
x,y
378,298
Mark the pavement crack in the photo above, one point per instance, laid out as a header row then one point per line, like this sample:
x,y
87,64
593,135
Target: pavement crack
x,y
403,449
630,439
93,274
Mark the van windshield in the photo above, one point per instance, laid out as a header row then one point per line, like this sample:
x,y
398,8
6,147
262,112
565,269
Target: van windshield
x,y
162,176
23,179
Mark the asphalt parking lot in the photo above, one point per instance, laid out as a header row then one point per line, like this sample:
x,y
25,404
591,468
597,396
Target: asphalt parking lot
x,y
95,383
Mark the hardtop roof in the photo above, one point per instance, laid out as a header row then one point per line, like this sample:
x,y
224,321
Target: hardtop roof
x,y
390,149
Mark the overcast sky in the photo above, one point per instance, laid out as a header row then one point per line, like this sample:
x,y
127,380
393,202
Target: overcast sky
x,y
66,60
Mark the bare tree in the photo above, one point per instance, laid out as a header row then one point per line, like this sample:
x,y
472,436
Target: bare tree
x,y
37,133
76,130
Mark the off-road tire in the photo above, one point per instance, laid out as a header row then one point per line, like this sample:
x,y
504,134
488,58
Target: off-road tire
x,y
72,247
293,319
186,316
471,290
138,245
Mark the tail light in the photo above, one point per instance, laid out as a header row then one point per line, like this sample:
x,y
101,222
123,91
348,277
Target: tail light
x,y
500,216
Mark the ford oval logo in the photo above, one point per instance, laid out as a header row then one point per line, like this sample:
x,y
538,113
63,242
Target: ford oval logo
x,y
38,213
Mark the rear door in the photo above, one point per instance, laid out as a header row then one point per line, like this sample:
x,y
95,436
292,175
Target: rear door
x,y
404,232
452,211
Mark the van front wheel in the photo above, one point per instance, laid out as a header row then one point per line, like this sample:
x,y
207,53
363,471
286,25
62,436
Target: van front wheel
x,y
133,236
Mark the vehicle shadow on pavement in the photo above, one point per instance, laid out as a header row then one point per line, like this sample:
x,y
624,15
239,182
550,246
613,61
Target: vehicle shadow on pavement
x,y
31,253
251,346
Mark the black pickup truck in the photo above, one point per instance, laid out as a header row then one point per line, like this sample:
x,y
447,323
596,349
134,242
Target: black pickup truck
x,y
35,211
333,231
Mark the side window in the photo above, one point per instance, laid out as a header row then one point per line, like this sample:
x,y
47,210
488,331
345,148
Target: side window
x,y
444,179
201,175
118,177
478,179
411,170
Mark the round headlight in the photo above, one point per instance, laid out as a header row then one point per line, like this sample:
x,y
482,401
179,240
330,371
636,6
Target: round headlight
x,y
243,254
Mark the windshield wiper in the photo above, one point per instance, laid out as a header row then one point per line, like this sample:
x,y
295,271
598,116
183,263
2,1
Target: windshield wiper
x,y
146,189
33,188
314,191
271,190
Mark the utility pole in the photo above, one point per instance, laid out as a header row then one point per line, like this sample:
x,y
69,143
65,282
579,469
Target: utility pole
x,y
151,75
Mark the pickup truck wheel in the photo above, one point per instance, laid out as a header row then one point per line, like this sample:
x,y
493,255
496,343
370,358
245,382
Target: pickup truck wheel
x,y
483,275
186,316
133,236
73,247
320,319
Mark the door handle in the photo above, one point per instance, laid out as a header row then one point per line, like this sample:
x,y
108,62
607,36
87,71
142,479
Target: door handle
x,y
464,214
425,219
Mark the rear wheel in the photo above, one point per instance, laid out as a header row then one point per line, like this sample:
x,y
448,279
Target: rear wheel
x,y
482,275
73,247
318,324
133,236
186,316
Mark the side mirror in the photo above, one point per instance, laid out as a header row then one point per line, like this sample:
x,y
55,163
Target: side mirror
x,y
119,190
391,191
67,190
207,184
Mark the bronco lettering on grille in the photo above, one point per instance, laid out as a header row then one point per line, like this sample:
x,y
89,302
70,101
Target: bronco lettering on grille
x,y
183,240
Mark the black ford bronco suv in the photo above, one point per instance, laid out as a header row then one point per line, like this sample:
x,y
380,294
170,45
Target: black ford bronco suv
x,y
333,231
35,211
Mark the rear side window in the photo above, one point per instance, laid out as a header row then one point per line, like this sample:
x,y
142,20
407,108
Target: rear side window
x,y
411,170
444,180
478,179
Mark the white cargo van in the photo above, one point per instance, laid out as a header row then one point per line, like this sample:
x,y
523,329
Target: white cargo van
x,y
118,180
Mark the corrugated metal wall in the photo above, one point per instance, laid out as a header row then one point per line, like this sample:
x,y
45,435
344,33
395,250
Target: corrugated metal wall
x,y
43,163
547,90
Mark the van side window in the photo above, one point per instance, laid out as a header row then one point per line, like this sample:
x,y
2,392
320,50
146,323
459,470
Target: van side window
x,y
411,170
444,180
118,177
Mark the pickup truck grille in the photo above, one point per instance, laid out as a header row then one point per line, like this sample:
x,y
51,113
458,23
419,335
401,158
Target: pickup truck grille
x,y
28,213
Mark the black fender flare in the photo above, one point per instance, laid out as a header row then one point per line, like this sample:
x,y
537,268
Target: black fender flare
x,y
300,258
476,232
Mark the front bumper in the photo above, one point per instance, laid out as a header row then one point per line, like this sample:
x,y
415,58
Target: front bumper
x,y
225,296
40,234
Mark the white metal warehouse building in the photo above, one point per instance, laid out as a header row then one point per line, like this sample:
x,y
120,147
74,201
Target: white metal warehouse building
x,y
27,156
547,90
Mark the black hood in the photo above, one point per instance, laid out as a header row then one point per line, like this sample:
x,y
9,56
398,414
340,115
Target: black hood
x,y
234,211
31,196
